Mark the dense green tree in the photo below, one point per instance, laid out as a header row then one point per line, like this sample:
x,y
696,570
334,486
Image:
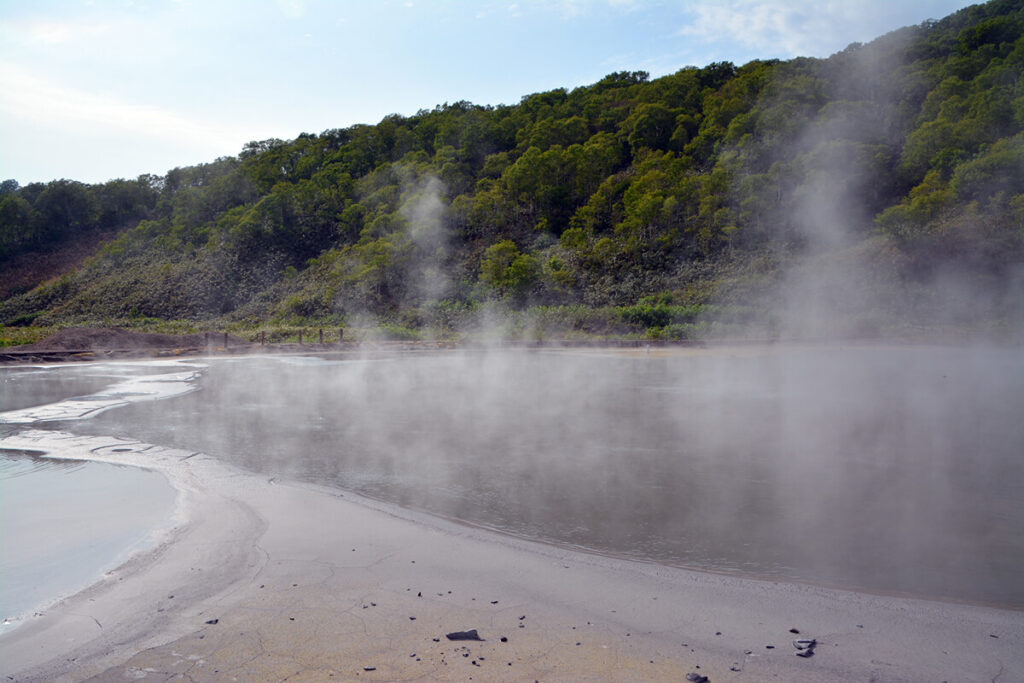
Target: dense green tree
x,y
17,224
605,194
507,270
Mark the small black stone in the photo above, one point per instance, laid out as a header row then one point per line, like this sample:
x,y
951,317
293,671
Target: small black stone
x,y
504,639
369,668
794,630
471,634
696,678
212,621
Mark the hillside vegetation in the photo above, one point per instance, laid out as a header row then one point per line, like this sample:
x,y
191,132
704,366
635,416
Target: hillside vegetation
x,y
878,190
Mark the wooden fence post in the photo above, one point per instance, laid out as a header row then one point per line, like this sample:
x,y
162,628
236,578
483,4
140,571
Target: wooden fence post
x,y
300,337
263,337
341,334
321,335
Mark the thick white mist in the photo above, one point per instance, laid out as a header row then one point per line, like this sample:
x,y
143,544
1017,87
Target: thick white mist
x,y
890,468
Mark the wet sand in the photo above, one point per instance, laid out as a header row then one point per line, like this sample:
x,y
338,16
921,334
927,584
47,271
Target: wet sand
x,y
271,580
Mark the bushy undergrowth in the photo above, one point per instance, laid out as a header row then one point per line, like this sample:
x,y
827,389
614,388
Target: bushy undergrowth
x,y
16,336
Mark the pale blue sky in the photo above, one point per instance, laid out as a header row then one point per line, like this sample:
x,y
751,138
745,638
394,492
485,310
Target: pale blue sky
x,y
100,89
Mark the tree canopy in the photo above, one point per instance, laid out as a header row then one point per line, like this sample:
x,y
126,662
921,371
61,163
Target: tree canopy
x,y
601,195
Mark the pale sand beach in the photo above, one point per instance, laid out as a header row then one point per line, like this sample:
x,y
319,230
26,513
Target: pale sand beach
x,y
265,580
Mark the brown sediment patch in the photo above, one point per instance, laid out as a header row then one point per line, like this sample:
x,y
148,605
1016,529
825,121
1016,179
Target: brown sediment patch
x,y
99,343
274,581
117,339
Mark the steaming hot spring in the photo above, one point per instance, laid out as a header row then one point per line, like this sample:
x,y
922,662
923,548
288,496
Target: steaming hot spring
x,y
882,474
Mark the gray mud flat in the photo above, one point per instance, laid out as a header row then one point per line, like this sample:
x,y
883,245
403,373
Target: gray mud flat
x,y
246,587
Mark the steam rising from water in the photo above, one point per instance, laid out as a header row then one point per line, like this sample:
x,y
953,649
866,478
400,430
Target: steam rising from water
x,y
838,276
424,211
888,468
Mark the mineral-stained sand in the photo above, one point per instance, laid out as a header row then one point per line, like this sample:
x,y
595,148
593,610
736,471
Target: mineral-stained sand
x,y
266,580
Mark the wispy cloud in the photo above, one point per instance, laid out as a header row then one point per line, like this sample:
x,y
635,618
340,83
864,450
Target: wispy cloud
x,y
28,97
293,9
52,32
564,9
775,27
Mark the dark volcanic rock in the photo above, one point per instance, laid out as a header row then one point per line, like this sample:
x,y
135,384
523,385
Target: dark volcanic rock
x,y
471,634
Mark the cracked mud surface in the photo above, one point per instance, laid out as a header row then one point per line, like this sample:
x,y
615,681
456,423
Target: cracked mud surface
x,y
269,581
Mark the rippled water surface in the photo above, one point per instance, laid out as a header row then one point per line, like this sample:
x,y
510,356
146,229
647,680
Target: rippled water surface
x,y
24,387
896,469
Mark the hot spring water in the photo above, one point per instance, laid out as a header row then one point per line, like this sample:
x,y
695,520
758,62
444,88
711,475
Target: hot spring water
x,y
886,468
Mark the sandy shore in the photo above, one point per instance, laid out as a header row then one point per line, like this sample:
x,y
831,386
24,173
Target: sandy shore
x,y
269,580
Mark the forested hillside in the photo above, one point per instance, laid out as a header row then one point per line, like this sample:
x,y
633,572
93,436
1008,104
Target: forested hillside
x,y
880,188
